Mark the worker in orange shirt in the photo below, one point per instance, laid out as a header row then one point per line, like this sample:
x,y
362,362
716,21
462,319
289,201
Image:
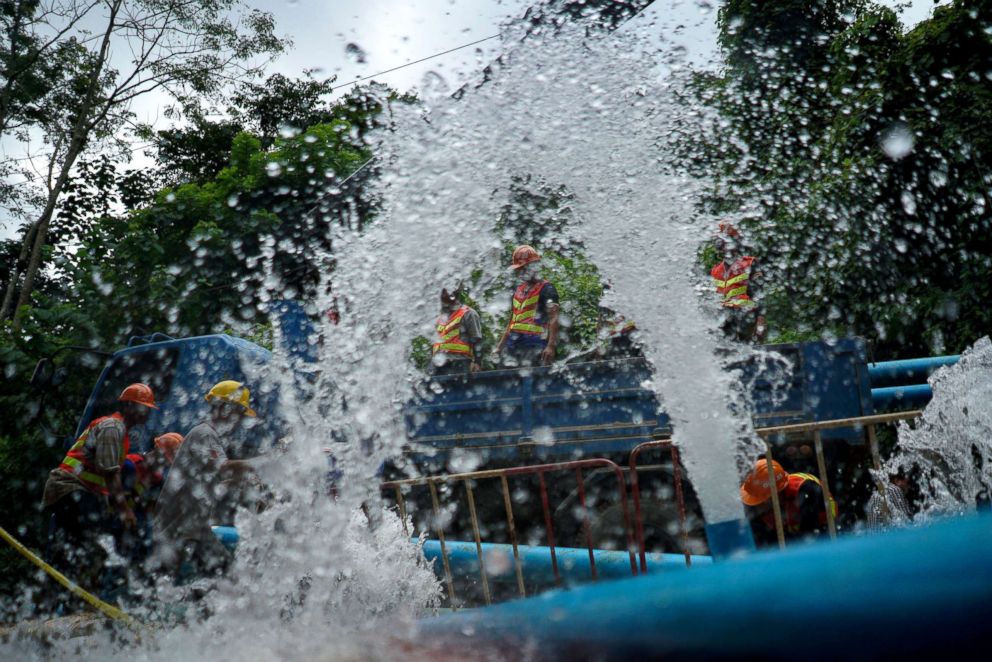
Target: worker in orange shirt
x,y
800,497
84,494
736,278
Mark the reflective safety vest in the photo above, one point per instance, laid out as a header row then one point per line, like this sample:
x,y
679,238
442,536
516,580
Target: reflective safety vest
x,y
78,463
732,282
449,330
526,318
791,517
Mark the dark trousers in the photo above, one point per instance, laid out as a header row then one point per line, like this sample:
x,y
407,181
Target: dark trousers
x,y
77,521
451,367
740,324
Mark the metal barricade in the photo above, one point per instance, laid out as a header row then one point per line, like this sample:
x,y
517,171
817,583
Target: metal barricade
x,y
635,492
503,475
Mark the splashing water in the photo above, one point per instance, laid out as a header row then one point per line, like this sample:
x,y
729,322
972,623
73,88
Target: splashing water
x,y
950,449
585,112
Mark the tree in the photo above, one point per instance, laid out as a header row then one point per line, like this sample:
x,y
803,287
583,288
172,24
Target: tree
x,y
182,47
857,158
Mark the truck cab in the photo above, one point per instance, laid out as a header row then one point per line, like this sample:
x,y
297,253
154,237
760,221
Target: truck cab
x,y
180,371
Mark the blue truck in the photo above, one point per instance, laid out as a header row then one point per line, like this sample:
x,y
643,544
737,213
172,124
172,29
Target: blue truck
x,y
504,418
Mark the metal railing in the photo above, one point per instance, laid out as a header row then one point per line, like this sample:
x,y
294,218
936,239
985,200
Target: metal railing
x,y
503,476
635,492
633,523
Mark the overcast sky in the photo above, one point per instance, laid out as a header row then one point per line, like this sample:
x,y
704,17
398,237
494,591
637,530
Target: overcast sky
x,y
385,34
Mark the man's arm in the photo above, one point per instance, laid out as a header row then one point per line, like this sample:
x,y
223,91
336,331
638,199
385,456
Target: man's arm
x,y
108,447
754,289
118,500
549,301
548,355
235,469
472,332
506,331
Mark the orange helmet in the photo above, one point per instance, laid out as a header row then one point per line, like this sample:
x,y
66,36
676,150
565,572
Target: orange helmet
x,y
755,490
524,255
140,393
169,444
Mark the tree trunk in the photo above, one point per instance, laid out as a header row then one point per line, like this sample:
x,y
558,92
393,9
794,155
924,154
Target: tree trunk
x,y
15,274
41,231
77,139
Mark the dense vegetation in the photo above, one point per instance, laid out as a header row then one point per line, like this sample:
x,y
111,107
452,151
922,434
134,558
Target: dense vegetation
x,y
858,162
854,154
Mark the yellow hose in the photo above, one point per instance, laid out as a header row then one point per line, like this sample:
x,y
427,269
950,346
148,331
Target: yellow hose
x,y
107,609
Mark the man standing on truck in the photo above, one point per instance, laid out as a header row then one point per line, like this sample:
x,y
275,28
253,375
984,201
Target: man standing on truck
x,y
800,498
459,337
198,479
86,487
531,336
736,278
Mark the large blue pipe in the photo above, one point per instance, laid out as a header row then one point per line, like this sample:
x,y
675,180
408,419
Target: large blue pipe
x,y
535,562
901,397
907,371
908,593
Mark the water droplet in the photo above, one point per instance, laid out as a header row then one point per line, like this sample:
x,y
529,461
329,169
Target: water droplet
x,y
287,131
273,169
355,54
464,460
232,200
908,202
897,141
544,435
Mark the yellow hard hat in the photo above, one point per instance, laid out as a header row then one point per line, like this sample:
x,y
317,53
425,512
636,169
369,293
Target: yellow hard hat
x,y
232,391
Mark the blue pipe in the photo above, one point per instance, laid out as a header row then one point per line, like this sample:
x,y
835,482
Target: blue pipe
x,y
908,593
901,397
729,539
535,562
907,371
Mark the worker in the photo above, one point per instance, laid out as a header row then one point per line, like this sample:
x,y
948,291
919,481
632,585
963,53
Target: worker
x,y
142,476
199,477
531,336
168,445
84,495
458,348
736,278
800,499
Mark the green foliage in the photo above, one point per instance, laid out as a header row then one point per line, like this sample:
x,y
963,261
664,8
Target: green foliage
x,y
131,256
866,152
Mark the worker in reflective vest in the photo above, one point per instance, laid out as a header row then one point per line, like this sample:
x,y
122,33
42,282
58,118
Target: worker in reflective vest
x,y
531,335
459,337
736,278
86,488
142,476
800,499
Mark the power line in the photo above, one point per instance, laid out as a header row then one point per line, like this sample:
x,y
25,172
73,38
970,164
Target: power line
x,y
410,64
